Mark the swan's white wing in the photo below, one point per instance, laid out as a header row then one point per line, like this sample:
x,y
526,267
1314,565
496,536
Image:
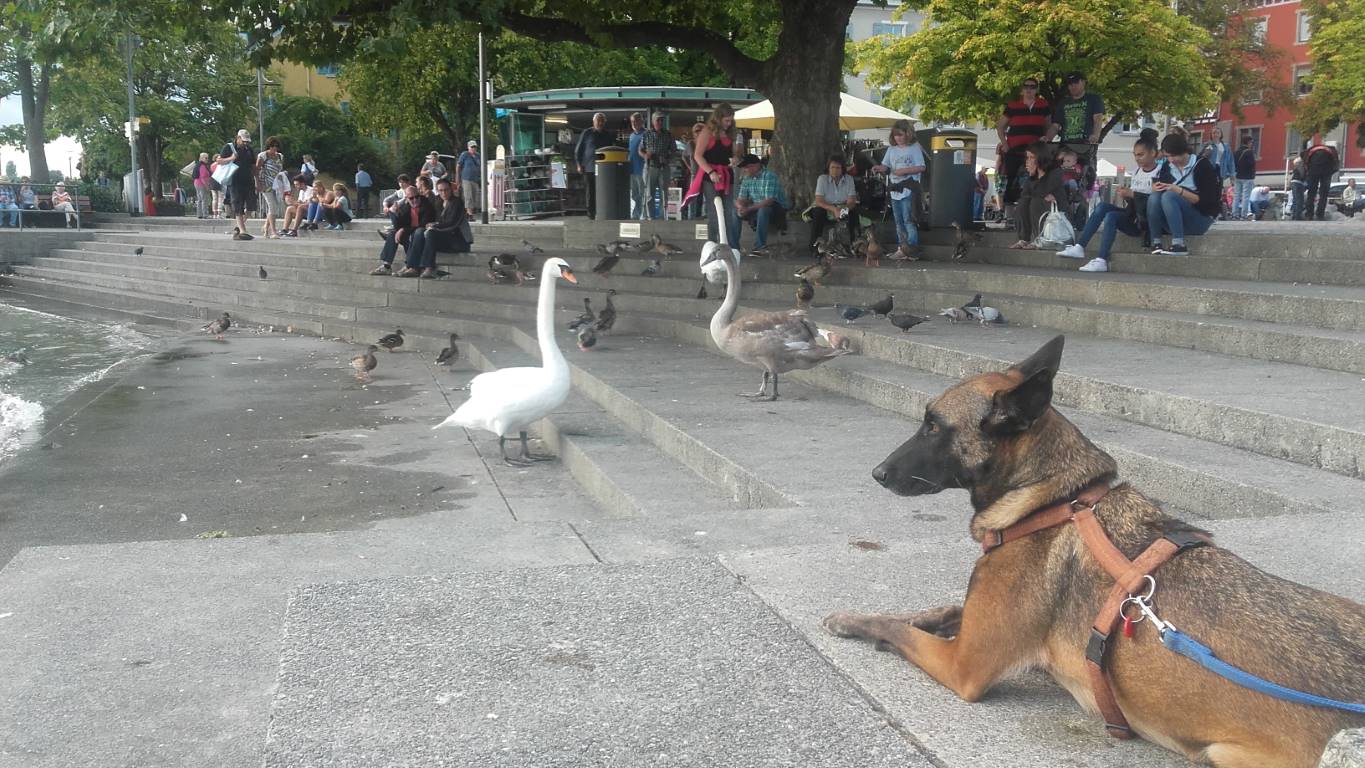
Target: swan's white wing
x,y
506,401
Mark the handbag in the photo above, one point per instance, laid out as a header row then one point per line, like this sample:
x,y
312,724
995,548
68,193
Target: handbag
x,y
1054,230
223,173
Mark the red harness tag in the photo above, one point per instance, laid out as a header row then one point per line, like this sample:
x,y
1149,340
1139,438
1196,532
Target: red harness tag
x,y
1127,627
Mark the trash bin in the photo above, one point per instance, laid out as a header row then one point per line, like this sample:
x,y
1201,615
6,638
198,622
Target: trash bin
x,y
951,176
613,183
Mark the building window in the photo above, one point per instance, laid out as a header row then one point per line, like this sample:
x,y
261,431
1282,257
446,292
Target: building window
x,y
1293,142
345,107
893,28
1302,71
1258,29
1252,131
329,70
1252,97
1303,30
1196,141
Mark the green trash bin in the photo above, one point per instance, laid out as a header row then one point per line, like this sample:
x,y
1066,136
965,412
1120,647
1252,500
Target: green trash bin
x,y
613,183
951,176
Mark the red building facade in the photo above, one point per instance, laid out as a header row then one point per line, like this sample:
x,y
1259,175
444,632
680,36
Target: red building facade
x,y
1288,27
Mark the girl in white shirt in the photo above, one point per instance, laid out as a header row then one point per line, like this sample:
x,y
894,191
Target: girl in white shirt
x,y
903,163
1112,219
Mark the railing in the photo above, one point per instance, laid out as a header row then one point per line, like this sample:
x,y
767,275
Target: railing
x,y
19,212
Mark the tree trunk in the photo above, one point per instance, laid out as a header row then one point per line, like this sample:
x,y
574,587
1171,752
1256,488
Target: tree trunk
x,y
33,103
806,106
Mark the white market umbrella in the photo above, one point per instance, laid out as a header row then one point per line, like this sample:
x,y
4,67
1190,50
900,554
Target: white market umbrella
x,y
854,114
1105,169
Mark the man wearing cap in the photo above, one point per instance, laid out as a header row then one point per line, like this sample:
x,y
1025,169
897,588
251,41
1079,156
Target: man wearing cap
x,y
1078,120
658,150
241,185
760,200
432,168
469,166
61,201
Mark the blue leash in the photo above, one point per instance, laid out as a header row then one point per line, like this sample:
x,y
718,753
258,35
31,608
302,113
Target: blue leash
x,y
1181,643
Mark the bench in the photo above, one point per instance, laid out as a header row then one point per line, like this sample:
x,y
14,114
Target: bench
x,y
44,216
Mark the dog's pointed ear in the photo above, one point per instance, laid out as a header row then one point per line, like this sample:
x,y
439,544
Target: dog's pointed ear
x,y
1014,410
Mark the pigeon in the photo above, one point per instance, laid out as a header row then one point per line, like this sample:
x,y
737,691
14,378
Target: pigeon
x,y
531,247
607,317
908,253
219,327
664,249
642,246
964,242
137,251
985,315
451,353
262,273
805,292
975,302
955,314
653,269
587,318
392,341
849,313
365,362
616,246
587,338
872,251
883,307
906,321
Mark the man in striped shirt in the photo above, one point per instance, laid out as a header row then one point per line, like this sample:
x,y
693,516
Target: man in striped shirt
x,y
1024,121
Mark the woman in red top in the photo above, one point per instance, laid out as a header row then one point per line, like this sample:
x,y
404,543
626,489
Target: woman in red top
x,y
717,150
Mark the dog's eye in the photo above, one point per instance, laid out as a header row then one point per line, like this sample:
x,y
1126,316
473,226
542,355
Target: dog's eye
x,y
930,426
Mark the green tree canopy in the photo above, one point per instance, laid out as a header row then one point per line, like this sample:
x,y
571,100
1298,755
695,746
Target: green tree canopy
x,y
1141,56
791,50
1338,78
306,125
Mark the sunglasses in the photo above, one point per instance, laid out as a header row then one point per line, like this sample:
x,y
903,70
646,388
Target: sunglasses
x,y
1031,85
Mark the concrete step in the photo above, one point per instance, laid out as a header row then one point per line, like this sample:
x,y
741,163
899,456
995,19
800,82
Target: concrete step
x,y
1280,410
1204,478
615,466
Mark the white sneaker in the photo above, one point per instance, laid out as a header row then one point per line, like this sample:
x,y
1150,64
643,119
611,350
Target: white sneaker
x,y
1073,251
1096,265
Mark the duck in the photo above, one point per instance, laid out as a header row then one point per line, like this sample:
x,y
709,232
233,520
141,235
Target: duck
x,y
818,271
664,249
587,318
507,401
504,266
607,317
607,262
451,353
219,326
805,293
874,251
392,341
963,242
365,362
777,342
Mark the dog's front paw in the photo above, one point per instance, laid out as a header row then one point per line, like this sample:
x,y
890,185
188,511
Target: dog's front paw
x,y
844,624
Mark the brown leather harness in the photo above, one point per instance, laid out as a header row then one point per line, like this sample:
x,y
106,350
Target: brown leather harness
x,y
1128,576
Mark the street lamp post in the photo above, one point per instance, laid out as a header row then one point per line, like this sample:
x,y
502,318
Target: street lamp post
x,y
483,101
134,186
260,108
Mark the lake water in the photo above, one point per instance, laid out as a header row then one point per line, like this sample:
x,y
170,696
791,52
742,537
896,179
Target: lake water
x,y
44,358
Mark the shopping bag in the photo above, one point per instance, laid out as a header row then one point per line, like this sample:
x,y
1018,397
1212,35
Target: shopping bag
x,y
188,170
1054,231
223,173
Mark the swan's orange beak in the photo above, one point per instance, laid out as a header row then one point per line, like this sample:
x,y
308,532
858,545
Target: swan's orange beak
x,y
567,274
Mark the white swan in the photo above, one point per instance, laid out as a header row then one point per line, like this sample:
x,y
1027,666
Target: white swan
x,y
777,342
711,267
507,401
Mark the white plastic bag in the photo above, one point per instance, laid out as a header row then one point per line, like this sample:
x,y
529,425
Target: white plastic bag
x,y
223,173
1054,231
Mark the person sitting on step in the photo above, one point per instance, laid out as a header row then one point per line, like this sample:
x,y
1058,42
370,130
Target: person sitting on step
x,y
836,201
411,216
444,234
1109,219
1186,197
337,210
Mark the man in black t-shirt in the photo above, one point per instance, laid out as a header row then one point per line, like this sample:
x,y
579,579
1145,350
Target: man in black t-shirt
x,y
1078,121
241,186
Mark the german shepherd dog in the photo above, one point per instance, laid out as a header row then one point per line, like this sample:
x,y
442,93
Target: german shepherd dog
x,y
1031,602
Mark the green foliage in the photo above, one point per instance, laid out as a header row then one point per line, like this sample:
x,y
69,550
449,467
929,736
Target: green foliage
x,y
1238,59
970,55
1338,79
310,126
11,171
103,200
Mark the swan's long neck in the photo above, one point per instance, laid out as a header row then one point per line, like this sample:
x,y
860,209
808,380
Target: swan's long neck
x,y
726,314
551,359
